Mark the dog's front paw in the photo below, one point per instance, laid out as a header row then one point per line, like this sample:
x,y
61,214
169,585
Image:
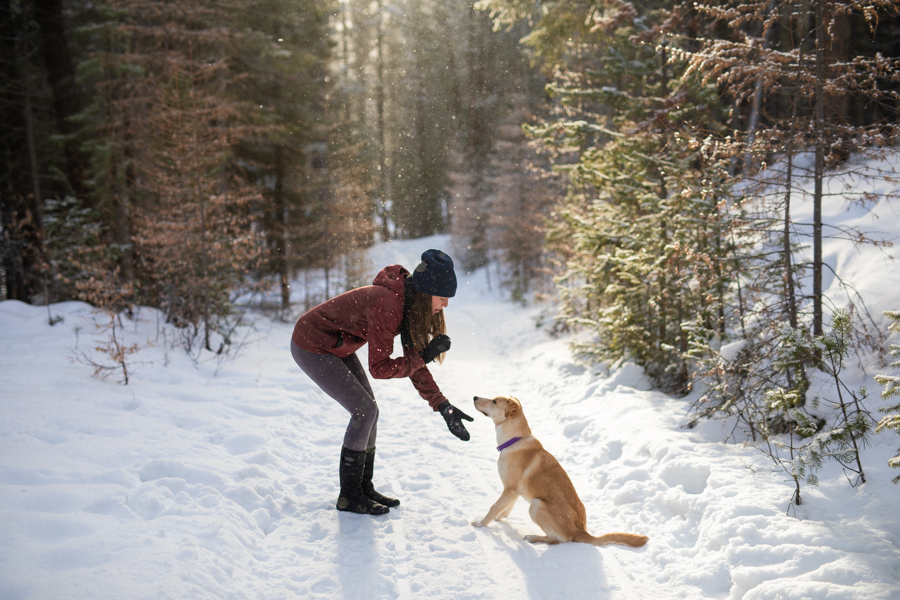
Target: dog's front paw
x,y
477,523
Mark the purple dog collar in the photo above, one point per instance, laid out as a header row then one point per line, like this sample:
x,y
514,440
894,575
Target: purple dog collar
x,y
507,444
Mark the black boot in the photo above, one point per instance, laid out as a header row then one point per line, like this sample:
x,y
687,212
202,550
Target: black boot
x,y
353,498
369,488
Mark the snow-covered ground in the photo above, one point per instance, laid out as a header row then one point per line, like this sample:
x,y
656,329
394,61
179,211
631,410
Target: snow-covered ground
x,y
218,479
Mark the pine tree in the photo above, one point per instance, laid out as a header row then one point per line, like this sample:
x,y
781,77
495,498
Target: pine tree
x,y
767,57
26,147
797,63
173,202
472,196
425,84
641,233
421,123
67,100
891,383
282,70
524,194
500,199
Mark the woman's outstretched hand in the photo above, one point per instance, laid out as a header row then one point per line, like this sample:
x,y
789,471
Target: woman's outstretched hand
x,y
454,418
438,345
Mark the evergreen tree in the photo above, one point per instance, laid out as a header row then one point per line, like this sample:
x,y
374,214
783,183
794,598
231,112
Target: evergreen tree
x,y
173,202
797,64
891,383
67,101
281,68
498,203
768,57
641,234
426,84
29,154
421,121
523,196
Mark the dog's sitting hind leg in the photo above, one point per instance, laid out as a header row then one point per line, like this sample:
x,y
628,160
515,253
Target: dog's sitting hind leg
x,y
539,539
544,519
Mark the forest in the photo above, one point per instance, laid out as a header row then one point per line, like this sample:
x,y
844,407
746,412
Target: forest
x,y
634,163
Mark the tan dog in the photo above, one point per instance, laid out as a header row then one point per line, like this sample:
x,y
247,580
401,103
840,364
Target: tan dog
x,y
527,470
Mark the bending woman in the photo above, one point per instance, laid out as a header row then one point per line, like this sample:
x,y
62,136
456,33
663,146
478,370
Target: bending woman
x,y
325,342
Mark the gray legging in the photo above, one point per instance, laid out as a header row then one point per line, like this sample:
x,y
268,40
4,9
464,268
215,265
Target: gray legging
x,y
344,380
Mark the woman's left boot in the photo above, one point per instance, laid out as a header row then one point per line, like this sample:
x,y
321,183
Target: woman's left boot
x,y
369,487
353,497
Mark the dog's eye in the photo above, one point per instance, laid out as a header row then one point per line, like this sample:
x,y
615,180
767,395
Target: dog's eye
x,y
493,402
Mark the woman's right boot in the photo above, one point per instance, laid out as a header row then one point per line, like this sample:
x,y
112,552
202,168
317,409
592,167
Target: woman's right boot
x,y
369,487
353,498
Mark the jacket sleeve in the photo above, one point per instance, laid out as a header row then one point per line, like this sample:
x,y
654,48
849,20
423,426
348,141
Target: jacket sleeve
x,y
384,321
425,385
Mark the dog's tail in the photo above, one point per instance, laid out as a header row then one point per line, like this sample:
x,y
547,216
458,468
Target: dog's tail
x,y
626,539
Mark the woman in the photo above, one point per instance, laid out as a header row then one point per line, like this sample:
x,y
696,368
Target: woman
x,y
325,342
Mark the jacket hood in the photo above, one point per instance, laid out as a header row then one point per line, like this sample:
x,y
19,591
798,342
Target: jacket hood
x,y
393,278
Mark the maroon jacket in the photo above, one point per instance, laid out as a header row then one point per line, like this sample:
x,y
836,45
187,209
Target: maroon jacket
x,y
372,314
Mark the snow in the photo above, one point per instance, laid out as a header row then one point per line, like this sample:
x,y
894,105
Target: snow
x,y
217,478
871,272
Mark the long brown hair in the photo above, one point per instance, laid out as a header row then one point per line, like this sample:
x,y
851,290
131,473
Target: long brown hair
x,y
423,325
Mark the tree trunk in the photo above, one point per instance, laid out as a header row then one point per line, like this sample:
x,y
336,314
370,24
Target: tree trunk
x,y
790,297
362,47
478,117
819,168
345,56
384,183
279,229
22,242
753,122
38,199
837,53
61,74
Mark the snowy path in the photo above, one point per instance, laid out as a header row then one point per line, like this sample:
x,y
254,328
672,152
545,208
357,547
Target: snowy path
x,y
219,482
189,483
427,547
447,483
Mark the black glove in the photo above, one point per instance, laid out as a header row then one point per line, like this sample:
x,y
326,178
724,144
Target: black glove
x,y
454,418
438,345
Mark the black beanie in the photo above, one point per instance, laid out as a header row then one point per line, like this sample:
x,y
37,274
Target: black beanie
x,y
434,275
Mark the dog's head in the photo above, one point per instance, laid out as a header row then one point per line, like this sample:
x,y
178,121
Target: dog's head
x,y
500,408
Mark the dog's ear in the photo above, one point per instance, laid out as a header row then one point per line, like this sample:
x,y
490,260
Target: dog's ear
x,y
512,407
